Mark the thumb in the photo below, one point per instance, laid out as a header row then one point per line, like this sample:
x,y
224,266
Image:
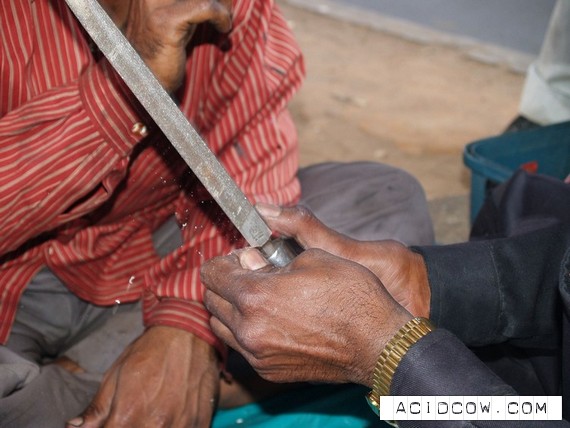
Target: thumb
x,y
251,259
96,414
75,422
300,223
92,417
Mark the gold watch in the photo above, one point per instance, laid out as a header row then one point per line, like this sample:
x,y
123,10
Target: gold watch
x,y
391,356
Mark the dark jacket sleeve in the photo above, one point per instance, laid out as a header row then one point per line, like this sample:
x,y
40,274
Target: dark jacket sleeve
x,y
440,364
502,286
498,290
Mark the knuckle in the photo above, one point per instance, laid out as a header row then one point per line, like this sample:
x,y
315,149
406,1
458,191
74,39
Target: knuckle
x,y
252,301
266,371
208,270
251,339
311,255
258,365
119,420
92,413
215,7
93,409
303,213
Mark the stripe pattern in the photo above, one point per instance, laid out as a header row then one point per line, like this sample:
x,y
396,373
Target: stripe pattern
x,y
81,192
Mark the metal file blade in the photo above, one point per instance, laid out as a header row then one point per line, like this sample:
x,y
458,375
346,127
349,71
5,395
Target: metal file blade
x,y
168,116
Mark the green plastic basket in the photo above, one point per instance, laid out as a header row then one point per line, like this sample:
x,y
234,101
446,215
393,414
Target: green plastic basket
x,y
544,150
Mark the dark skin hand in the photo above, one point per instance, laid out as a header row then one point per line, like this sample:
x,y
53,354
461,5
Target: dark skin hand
x,y
402,271
165,378
324,317
320,318
160,30
168,377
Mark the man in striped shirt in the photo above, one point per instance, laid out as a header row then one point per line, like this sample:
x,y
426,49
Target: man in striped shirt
x,y
86,179
95,202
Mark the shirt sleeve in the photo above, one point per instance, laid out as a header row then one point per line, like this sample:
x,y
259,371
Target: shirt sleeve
x,y
60,147
249,128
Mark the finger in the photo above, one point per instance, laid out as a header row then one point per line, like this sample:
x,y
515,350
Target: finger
x,y
300,223
218,13
230,295
224,26
251,259
99,409
226,335
93,417
313,258
219,307
216,274
75,422
226,277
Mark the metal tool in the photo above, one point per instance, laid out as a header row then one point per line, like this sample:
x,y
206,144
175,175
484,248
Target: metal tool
x,y
176,127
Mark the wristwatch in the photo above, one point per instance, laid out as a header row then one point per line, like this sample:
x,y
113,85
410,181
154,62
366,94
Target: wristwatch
x,y
391,356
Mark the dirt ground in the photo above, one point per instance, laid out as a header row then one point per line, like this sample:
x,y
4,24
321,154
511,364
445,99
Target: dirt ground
x,y
370,95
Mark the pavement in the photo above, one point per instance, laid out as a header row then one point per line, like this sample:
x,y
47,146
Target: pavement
x,y
390,90
518,25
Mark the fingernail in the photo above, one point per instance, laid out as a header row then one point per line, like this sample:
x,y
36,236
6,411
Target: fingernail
x,y
268,210
252,260
76,422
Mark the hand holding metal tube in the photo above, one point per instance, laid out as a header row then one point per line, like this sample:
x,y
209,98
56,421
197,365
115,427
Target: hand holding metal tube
x,y
326,316
402,271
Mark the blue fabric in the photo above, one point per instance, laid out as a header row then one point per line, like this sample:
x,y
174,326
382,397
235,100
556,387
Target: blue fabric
x,y
327,406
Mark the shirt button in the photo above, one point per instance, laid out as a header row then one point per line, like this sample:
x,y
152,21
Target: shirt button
x,y
139,129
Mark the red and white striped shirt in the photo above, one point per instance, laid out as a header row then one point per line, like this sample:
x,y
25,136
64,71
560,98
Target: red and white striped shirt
x,y
81,191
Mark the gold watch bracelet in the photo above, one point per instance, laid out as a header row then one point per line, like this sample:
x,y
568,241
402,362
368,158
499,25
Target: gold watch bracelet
x,y
392,354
